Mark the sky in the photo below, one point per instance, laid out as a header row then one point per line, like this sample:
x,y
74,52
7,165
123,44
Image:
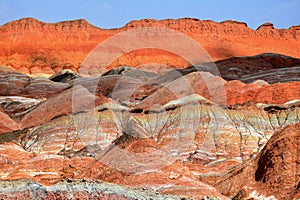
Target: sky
x,y
116,13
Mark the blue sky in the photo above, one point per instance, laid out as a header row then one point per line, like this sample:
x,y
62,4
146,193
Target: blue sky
x,y
116,13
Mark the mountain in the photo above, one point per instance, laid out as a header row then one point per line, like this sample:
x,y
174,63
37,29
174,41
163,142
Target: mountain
x,y
32,46
148,123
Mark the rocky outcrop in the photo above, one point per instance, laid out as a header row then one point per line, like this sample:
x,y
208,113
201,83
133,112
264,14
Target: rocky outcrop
x,y
65,45
278,165
274,173
279,93
64,76
202,83
73,100
6,123
16,107
141,93
17,84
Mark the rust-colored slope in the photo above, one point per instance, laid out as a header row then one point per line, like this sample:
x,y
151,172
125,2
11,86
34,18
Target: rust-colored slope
x,y
31,46
274,172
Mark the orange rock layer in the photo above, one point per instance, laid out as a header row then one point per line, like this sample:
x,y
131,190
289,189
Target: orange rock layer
x,y
32,46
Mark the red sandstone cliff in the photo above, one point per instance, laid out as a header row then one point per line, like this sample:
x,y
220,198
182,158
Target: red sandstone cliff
x,y
32,46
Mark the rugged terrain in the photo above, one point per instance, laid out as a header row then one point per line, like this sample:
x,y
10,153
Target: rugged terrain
x,y
212,130
32,46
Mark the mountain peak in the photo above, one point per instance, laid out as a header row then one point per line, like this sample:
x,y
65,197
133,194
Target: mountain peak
x,y
266,25
79,22
24,21
234,22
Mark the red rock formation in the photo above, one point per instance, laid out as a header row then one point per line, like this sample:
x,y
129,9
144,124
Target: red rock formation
x,y
278,164
275,171
203,83
70,101
279,93
6,123
174,179
31,46
214,89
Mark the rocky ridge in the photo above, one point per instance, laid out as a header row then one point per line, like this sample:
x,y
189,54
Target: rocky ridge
x,y
65,45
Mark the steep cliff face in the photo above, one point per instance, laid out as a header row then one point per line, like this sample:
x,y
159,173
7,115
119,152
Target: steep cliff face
x,y
31,46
